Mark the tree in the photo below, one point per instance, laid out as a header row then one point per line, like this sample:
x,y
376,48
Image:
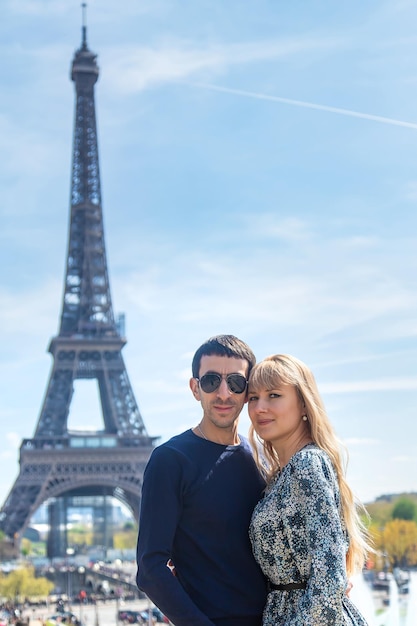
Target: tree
x,y
22,583
405,509
398,540
381,509
26,547
126,538
81,536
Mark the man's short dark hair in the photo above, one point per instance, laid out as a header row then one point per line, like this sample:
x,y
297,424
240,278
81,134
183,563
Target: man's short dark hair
x,y
223,345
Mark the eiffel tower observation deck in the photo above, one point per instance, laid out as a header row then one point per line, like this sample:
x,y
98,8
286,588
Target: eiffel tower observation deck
x,y
59,466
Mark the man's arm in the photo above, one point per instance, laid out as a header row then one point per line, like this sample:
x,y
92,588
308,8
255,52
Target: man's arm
x,y
160,513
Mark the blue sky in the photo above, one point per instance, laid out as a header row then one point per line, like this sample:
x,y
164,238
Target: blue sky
x,y
259,177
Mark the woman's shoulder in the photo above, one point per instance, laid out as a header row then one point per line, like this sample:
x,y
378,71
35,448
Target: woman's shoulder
x,y
312,459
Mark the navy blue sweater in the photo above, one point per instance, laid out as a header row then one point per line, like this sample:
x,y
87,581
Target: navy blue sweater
x,y
197,501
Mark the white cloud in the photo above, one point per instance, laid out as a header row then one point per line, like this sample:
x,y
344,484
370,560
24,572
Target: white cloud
x,y
355,441
37,7
40,8
134,68
31,312
360,242
267,225
12,441
381,384
403,459
319,291
411,191
23,150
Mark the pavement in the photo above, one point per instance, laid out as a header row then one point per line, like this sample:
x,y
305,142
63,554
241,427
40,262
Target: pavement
x,y
100,614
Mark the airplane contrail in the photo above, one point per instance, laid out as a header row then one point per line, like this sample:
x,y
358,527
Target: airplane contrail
x,y
308,105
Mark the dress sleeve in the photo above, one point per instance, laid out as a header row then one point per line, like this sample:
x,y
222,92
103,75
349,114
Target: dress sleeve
x,y
316,535
163,485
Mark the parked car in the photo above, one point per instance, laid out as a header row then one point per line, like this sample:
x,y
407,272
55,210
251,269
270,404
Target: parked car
x,y
64,617
129,617
156,614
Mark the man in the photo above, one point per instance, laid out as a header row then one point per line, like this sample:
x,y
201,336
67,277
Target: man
x,y
199,491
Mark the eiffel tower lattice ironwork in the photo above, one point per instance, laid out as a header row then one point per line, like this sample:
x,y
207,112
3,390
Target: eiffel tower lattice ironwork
x,y
58,463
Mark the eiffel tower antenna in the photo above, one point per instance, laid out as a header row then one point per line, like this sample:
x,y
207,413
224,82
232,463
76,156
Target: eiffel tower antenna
x,y
57,464
84,24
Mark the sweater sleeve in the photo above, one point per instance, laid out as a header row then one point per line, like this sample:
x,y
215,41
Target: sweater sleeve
x,y
316,527
163,485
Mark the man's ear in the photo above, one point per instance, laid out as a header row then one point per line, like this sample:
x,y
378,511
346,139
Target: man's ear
x,y
195,388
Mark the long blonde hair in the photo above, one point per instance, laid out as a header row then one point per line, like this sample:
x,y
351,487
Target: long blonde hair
x,y
285,369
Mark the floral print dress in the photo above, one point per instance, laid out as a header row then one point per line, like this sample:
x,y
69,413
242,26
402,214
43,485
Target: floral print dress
x,y
298,536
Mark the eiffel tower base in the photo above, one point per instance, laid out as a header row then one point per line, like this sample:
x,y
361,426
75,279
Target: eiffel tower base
x,y
58,544
60,469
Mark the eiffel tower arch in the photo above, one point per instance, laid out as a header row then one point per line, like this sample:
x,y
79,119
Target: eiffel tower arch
x,y
56,464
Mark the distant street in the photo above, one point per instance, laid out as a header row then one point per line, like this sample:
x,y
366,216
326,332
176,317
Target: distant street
x,y
101,614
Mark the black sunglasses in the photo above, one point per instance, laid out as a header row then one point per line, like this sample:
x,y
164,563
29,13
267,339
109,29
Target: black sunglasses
x,y
236,383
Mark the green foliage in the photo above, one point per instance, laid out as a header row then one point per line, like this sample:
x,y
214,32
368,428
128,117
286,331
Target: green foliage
x,y
22,583
381,510
26,547
32,548
405,509
394,530
398,541
81,535
127,538
38,548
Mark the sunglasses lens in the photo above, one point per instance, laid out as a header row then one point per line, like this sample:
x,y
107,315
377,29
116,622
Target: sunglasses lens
x,y
236,383
210,382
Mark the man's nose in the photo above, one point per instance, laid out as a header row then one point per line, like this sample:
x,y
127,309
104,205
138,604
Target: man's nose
x,y
223,390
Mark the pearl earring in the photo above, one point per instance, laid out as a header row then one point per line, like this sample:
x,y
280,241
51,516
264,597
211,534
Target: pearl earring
x,y
305,418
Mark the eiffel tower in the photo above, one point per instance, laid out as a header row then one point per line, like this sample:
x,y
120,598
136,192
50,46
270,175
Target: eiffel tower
x,y
58,465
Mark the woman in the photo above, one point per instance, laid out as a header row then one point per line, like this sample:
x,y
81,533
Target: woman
x,y
306,533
